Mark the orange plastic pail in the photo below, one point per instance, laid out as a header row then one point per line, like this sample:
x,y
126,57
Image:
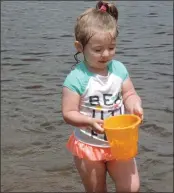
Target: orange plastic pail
x,y
122,135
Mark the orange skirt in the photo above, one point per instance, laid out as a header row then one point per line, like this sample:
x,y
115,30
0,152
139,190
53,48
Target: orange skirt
x,y
86,151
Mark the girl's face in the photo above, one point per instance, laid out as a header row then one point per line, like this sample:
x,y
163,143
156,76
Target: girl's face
x,y
100,49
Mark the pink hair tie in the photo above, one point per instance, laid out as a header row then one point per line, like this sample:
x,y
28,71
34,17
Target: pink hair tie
x,y
103,8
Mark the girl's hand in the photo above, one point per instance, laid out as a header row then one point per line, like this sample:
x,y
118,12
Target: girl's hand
x,y
96,125
137,109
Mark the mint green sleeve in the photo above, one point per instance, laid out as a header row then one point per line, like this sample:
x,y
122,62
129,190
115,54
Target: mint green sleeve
x,y
73,83
77,80
124,72
120,70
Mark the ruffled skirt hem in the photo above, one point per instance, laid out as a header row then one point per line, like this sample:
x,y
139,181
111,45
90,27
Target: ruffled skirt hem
x,y
86,151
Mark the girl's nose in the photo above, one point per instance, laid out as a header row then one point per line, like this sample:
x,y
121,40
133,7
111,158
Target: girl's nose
x,y
105,53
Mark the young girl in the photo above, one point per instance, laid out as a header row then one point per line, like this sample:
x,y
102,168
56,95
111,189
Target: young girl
x,y
98,87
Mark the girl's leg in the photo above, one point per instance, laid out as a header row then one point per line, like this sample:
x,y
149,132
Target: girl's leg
x,y
125,175
93,174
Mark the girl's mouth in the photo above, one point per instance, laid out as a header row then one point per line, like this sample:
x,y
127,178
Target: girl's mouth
x,y
103,61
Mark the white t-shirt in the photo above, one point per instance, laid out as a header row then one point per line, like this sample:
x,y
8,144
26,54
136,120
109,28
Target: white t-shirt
x,y
100,97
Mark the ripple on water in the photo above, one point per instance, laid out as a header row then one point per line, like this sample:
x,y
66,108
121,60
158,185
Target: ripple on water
x,y
156,130
35,53
31,59
34,87
21,64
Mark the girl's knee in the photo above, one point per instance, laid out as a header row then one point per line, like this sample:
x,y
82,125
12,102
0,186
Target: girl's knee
x,y
96,188
133,186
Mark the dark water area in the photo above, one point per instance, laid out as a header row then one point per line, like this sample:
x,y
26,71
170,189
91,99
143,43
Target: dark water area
x,y
36,55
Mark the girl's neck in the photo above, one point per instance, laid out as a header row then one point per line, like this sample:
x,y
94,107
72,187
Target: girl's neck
x,y
102,72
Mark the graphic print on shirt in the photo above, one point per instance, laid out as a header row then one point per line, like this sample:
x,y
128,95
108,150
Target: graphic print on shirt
x,y
114,102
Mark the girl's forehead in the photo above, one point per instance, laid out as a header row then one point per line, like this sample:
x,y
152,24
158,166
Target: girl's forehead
x,y
102,37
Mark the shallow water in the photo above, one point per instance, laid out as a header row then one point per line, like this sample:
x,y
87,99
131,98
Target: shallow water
x,y
37,53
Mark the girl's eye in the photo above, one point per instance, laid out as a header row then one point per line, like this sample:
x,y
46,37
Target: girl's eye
x,y
98,50
111,48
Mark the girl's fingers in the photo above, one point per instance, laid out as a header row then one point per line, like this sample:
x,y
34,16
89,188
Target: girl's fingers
x,y
99,121
138,111
98,127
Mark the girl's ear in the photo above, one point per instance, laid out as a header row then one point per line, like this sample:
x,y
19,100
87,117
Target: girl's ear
x,y
78,46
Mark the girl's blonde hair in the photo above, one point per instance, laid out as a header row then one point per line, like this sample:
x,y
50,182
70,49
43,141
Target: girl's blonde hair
x,y
96,19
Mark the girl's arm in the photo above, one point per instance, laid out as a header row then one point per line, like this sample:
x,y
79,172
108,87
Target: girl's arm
x,y
71,114
131,99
